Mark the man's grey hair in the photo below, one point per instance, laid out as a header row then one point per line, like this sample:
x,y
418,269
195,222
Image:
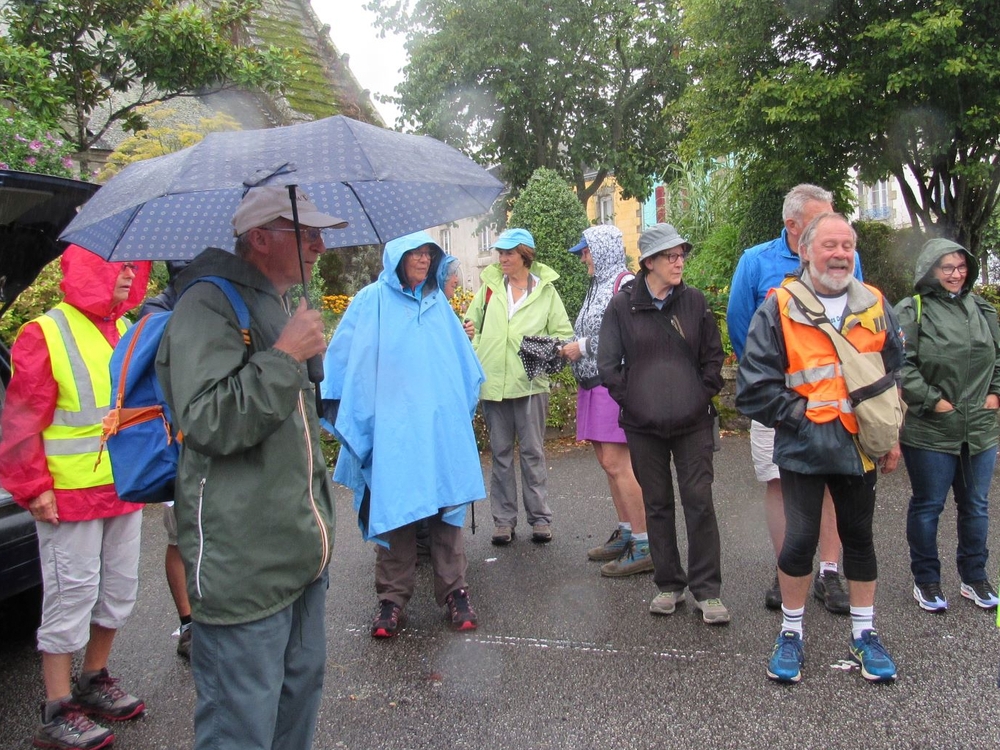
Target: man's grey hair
x,y
809,234
243,247
797,198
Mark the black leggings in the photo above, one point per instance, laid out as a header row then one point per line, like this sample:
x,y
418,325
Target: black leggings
x,y
854,501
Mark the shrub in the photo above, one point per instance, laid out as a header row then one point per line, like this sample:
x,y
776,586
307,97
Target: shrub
x,y
41,296
886,260
29,146
549,209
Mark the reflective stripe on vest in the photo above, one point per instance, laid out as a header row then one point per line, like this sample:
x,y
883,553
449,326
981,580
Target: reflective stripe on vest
x,y
73,439
813,367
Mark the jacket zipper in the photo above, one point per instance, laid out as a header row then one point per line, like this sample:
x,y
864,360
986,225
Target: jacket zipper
x,y
324,533
201,538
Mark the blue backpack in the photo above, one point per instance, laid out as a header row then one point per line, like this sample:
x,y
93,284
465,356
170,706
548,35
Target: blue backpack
x,y
137,432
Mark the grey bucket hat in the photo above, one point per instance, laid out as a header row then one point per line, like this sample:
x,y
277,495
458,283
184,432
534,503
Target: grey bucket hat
x,y
659,237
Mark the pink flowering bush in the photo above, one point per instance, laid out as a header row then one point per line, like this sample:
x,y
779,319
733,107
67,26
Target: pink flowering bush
x,y
27,145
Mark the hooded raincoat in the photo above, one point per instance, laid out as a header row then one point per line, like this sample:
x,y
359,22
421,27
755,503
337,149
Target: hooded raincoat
x,y
408,382
952,352
498,335
608,253
33,395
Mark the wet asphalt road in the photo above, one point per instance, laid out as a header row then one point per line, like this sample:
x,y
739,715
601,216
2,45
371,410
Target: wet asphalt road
x,y
566,659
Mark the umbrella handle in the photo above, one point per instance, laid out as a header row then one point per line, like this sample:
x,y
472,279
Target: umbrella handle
x,y
314,365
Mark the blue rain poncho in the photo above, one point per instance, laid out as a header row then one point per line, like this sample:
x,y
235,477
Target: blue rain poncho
x,y
408,381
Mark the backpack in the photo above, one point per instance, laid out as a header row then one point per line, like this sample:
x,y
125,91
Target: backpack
x,y
137,432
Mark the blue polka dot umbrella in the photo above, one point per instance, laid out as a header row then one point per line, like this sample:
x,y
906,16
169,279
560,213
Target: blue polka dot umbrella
x,y
383,183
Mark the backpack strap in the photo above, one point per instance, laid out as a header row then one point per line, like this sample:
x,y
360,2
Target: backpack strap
x,y
622,277
235,299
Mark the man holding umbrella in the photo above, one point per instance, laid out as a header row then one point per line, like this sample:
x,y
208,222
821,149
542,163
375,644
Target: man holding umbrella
x,y
254,505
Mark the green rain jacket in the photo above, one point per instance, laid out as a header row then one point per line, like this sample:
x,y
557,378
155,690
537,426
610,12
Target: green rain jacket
x,y
254,504
952,352
498,339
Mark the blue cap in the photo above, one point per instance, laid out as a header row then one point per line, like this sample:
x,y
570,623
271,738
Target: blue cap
x,y
578,247
511,238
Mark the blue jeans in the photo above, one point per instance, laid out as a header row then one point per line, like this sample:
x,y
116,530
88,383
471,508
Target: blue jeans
x,y
259,683
931,474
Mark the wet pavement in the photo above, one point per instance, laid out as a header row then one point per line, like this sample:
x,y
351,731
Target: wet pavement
x,y
566,659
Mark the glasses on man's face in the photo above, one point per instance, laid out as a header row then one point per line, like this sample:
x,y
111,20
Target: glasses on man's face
x,y
950,270
309,234
674,257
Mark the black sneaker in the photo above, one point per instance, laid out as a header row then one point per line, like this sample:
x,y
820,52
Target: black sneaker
x,y
388,619
461,615
102,697
772,597
929,596
70,728
830,588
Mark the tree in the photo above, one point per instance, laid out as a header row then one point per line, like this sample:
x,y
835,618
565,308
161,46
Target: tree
x,y
577,86
91,64
804,91
556,219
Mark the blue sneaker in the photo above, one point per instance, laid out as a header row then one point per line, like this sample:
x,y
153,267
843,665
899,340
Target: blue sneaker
x,y
787,658
929,596
613,548
982,593
876,664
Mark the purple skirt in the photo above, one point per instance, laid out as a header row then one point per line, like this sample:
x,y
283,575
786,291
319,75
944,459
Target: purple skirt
x,y
597,416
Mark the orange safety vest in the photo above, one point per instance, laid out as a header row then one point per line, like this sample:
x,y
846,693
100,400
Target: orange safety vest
x,y
813,366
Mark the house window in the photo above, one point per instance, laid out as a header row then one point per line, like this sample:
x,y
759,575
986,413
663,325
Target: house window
x,y
485,241
446,240
878,208
605,209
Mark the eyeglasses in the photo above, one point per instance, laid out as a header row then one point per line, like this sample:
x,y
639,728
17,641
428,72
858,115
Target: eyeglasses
x,y
674,257
309,234
420,253
949,270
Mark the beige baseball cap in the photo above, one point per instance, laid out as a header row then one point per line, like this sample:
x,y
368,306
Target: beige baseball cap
x,y
265,204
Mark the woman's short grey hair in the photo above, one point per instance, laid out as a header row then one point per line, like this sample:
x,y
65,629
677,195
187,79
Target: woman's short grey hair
x,y
799,196
809,234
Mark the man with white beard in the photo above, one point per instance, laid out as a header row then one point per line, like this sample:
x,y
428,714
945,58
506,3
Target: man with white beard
x,y
790,379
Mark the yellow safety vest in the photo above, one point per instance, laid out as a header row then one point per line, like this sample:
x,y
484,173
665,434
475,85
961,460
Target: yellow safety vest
x,y
73,439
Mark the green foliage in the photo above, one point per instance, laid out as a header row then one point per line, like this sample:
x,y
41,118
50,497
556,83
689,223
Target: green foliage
x,y
577,86
41,296
803,92
66,61
991,293
30,146
712,265
884,259
347,269
562,400
551,212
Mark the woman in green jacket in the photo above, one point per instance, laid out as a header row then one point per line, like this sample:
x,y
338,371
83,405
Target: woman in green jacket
x,y
517,299
951,384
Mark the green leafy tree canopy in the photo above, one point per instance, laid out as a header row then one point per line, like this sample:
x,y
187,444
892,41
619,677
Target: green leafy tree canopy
x,y
806,91
89,65
577,86
549,210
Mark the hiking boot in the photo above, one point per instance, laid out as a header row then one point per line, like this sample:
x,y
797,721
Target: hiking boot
x,y
611,549
830,588
787,658
713,611
666,602
982,593
502,535
461,615
772,597
388,620
184,642
70,728
876,664
102,697
541,533
929,596
635,558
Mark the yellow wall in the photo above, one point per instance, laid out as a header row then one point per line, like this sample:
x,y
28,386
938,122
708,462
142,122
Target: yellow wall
x,y
627,217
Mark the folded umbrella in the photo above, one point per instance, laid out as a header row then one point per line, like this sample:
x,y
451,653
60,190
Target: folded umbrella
x,y
540,355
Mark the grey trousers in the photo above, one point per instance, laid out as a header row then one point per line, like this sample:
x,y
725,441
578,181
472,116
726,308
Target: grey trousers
x,y
260,683
396,566
523,418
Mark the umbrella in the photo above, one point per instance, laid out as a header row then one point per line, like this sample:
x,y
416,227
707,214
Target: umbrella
x,y
540,355
383,183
